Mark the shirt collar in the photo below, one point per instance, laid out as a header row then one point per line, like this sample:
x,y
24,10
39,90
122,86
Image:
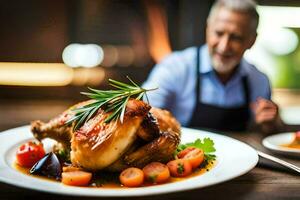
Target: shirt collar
x,y
206,65
205,62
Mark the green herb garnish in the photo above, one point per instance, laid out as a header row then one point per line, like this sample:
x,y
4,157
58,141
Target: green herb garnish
x,y
180,168
153,178
207,145
64,155
113,101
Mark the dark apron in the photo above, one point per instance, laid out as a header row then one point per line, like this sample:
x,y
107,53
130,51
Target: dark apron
x,y
218,118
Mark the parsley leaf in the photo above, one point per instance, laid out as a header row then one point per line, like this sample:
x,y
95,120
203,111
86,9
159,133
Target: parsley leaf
x,y
207,145
180,168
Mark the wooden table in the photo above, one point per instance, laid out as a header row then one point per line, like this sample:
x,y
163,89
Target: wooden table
x,y
263,182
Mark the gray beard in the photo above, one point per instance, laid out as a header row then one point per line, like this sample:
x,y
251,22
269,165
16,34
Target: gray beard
x,y
224,68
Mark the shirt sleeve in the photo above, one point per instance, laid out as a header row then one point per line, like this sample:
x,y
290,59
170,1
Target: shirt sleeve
x,y
165,76
261,86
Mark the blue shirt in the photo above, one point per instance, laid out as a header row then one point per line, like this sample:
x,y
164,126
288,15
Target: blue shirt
x,y
175,78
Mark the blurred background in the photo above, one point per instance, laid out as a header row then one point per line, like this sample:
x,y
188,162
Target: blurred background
x,y
51,50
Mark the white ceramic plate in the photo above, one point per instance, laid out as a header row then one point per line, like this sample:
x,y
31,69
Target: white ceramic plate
x,y
229,153
274,143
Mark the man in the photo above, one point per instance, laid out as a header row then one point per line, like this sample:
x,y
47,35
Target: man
x,y
212,86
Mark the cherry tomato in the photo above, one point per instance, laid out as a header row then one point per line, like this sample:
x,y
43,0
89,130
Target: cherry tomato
x,y
132,177
194,155
156,172
29,153
179,167
76,178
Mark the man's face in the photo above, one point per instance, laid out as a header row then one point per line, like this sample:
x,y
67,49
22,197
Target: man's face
x,y
228,36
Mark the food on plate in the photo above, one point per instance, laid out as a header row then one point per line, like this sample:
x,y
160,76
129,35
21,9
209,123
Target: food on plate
x,y
76,178
132,177
48,166
138,136
117,133
194,155
156,172
180,167
295,144
29,153
115,146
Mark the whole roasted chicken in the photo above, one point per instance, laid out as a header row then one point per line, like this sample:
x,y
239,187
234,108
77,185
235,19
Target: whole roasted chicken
x,y
146,134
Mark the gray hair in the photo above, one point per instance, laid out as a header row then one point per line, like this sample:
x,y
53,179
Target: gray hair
x,y
244,6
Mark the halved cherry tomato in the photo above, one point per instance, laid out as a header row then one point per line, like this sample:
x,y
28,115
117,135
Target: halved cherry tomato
x,y
194,155
29,153
132,177
156,172
179,167
76,178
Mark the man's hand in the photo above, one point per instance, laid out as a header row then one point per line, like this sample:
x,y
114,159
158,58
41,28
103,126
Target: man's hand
x,y
266,115
264,110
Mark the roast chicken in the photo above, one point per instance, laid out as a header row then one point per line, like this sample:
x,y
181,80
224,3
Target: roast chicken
x,y
145,135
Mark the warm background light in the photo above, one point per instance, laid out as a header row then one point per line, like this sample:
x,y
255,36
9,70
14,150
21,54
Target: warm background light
x,y
48,74
159,42
35,74
82,55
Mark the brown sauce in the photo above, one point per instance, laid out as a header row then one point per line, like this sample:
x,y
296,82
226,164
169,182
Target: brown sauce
x,y
295,144
292,146
111,180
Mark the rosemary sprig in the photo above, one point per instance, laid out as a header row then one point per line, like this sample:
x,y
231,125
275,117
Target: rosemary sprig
x,y
113,101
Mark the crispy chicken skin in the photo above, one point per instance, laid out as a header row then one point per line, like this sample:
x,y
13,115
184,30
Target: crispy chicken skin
x,y
96,144
144,136
149,128
56,128
160,149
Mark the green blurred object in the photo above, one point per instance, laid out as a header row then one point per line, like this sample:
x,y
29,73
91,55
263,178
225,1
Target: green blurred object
x,y
288,67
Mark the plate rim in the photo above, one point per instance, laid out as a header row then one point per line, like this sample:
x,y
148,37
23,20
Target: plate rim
x,y
68,190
